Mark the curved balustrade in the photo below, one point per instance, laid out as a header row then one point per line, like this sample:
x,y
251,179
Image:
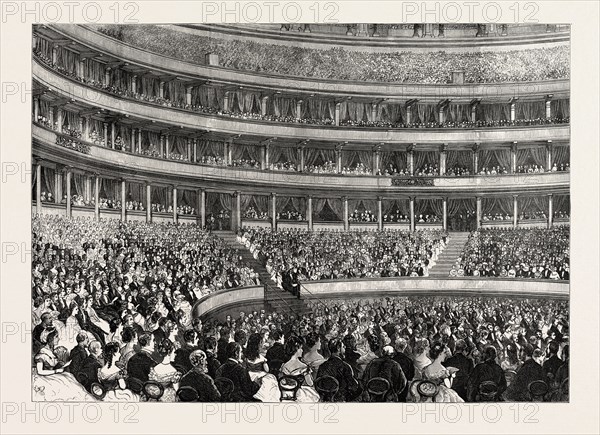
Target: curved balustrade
x,y
241,297
455,37
320,35
434,286
136,167
226,298
179,117
167,65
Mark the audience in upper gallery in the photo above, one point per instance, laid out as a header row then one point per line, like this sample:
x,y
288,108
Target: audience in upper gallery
x,y
497,217
252,213
396,217
458,171
537,253
328,167
364,216
494,170
341,64
290,216
427,171
177,100
301,255
283,166
245,163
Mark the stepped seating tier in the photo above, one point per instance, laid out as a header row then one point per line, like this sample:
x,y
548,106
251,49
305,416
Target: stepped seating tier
x,y
448,257
276,299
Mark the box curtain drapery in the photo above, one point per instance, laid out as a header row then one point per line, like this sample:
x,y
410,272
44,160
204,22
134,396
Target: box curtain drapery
x,y
497,205
108,188
493,112
492,158
136,192
94,70
458,112
560,108
426,206
459,158
247,152
187,198
460,206
423,158
395,158
561,154
561,203
48,177
160,196
209,148
362,205
315,156
175,91
335,205
530,110
390,206
531,156
533,204
351,158
68,60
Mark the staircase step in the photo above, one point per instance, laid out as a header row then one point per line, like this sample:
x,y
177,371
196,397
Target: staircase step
x,y
276,299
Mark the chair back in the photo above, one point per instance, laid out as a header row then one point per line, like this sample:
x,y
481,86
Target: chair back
x,y
377,389
135,385
153,390
187,394
427,389
538,390
288,387
327,387
488,391
225,387
97,390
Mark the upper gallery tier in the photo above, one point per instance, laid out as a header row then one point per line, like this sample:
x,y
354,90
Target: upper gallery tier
x,y
475,72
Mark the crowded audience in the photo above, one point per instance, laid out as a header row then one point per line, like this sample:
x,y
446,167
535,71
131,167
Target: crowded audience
x,y
538,253
339,255
427,349
175,101
341,64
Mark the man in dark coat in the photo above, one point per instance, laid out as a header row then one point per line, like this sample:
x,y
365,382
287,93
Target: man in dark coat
x,y
464,365
140,364
243,387
407,365
276,355
530,371
349,388
488,370
88,372
212,363
222,344
387,368
199,380
552,364
79,353
182,355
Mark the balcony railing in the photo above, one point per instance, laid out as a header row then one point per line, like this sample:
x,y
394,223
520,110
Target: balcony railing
x,y
116,163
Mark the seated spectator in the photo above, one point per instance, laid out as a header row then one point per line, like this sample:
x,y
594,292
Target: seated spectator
x,y
486,371
199,380
335,366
